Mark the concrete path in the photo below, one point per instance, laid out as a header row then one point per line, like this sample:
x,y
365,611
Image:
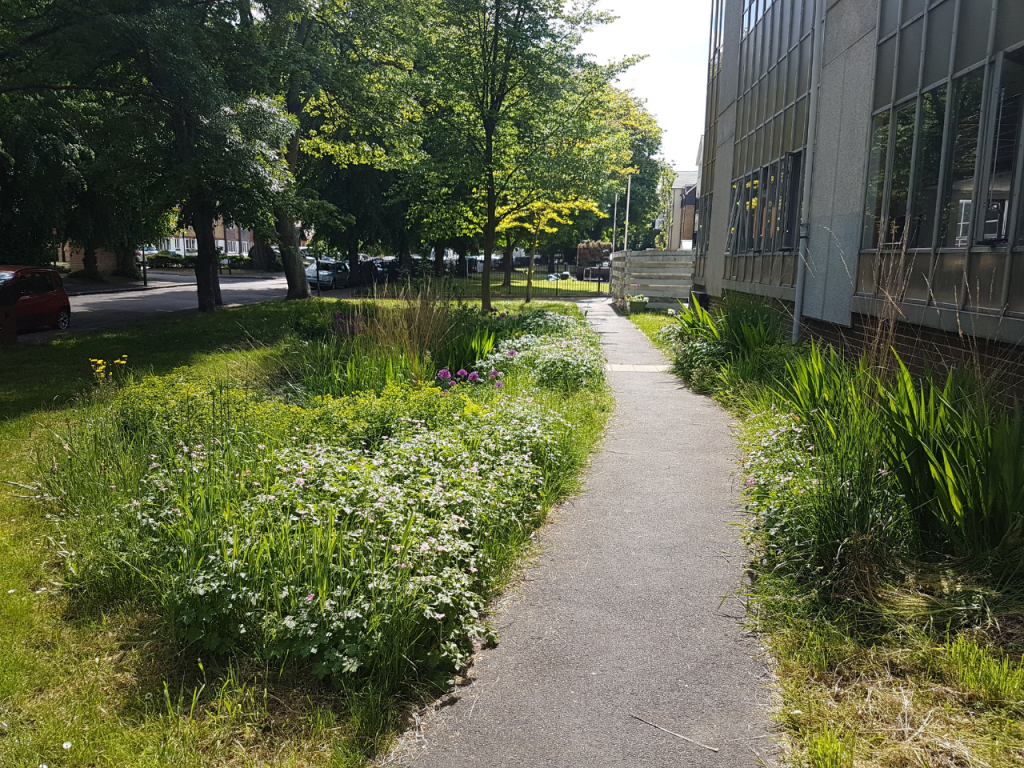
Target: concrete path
x,y
624,613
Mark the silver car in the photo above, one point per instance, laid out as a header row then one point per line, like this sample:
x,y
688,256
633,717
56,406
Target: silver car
x,y
333,274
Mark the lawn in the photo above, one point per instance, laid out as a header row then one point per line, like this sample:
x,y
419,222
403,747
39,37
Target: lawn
x,y
884,519
274,528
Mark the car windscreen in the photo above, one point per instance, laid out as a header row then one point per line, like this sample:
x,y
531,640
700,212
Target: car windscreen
x,y
6,277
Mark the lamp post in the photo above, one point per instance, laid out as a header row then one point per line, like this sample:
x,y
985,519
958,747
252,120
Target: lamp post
x,y
615,221
629,189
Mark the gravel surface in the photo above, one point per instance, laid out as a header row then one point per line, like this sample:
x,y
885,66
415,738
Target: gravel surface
x,y
625,613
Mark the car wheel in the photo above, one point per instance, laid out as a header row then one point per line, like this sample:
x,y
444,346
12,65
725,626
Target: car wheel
x,y
63,319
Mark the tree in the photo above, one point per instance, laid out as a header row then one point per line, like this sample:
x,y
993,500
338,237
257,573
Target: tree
x,y
344,74
195,71
515,91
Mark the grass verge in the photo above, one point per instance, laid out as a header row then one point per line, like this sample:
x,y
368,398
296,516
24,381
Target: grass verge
x,y
95,667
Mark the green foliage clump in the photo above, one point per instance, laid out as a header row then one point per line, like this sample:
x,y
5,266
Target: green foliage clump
x,y
359,535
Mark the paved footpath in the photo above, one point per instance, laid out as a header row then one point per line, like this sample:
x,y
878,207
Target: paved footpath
x,y
623,614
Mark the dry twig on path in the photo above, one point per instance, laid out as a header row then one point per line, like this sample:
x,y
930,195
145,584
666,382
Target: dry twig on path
x,y
677,735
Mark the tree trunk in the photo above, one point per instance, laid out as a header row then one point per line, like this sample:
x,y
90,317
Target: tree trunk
x,y
263,257
439,249
491,225
506,259
294,269
462,267
404,256
126,265
207,282
89,264
355,274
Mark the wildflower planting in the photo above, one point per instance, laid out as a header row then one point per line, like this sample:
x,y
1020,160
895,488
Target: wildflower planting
x,y
886,524
344,516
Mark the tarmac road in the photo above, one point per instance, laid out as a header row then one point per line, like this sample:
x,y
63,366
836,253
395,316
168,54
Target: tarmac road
x,y
111,310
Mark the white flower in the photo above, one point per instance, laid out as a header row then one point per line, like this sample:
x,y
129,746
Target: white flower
x,y
66,745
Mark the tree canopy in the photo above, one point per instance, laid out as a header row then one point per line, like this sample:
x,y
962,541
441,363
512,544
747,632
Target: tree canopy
x,y
385,125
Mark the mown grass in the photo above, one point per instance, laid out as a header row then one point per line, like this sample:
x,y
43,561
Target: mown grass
x,y
110,678
885,518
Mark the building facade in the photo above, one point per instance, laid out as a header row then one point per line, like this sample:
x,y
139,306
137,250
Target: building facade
x,y
880,139
682,209
231,240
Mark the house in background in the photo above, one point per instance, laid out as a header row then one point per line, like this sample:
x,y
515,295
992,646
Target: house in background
x,y
683,205
231,239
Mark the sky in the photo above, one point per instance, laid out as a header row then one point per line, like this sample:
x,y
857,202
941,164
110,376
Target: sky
x,y
673,34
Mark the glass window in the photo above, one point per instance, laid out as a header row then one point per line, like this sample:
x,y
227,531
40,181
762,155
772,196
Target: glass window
x,y
787,130
926,174
793,192
808,17
890,17
800,124
985,280
884,72
877,154
867,274
911,8
1006,113
947,285
910,59
902,149
794,71
972,33
918,277
804,83
1016,294
786,9
940,35
1009,24
776,137
962,153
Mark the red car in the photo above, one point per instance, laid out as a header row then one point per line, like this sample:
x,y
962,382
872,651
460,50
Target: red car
x,y
38,296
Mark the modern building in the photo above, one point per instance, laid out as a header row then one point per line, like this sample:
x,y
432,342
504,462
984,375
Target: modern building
x,y
864,154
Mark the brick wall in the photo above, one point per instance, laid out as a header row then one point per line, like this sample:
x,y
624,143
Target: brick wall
x,y
922,348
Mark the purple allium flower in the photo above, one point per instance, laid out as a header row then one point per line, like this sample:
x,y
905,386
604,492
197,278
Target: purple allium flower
x,y
511,353
493,374
498,385
444,374
462,372
474,376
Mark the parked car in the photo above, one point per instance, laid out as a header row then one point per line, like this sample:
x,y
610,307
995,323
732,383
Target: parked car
x,y
333,274
38,296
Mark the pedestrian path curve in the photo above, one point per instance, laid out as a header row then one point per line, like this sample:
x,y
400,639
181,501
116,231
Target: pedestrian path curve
x,y
617,649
